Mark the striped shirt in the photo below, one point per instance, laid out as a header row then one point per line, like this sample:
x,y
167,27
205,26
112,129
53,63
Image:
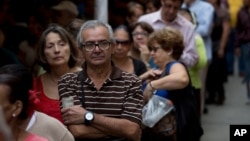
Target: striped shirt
x,y
120,95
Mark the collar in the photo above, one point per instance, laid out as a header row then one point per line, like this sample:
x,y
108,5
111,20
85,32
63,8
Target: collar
x,y
116,73
178,20
157,18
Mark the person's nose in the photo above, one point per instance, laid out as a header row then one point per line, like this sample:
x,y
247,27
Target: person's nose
x,y
151,52
139,36
118,45
171,10
57,49
97,48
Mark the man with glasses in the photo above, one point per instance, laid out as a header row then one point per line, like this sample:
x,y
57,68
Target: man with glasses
x,y
168,16
107,101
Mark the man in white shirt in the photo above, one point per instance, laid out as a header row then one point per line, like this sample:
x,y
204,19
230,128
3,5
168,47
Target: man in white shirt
x,y
168,16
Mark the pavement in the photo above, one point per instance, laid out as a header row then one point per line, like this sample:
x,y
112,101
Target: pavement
x,y
217,121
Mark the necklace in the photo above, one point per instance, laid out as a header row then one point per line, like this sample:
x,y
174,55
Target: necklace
x,y
52,79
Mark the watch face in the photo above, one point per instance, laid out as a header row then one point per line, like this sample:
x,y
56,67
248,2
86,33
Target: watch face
x,y
89,116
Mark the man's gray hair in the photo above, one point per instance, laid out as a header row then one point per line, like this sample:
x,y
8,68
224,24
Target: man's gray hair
x,y
92,24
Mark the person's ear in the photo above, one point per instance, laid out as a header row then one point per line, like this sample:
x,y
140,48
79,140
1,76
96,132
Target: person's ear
x,y
18,107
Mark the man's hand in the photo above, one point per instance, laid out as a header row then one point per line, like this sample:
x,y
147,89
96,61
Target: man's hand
x,y
73,115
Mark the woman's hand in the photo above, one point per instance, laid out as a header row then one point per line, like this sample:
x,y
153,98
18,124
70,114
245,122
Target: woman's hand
x,y
144,52
169,102
151,74
148,92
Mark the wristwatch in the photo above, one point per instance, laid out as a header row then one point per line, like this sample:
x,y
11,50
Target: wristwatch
x,y
88,118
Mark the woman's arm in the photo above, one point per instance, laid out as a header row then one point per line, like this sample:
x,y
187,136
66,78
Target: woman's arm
x,y
177,79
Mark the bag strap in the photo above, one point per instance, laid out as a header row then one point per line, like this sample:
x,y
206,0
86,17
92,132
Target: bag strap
x,y
82,83
168,67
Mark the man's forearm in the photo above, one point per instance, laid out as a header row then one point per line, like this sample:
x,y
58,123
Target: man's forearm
x,y
82,131
117,127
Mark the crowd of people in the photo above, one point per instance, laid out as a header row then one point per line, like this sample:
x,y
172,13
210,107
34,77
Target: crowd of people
x,y
64,78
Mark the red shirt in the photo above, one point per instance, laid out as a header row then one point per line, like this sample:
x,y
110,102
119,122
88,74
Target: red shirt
x,y
47,105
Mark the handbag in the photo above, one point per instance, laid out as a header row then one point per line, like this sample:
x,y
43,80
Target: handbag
x,y
165,123
159,117
166,126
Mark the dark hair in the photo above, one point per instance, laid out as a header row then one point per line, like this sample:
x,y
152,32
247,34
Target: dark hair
x,y
218,2
55,28
156,3
144,25
178,0
20,81
74,27
125,28
131,7
169,38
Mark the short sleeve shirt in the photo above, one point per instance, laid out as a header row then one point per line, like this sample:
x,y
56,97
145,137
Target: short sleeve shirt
x,y
120,95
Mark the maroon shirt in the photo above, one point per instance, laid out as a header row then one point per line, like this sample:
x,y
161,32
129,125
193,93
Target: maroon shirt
x,y
242,30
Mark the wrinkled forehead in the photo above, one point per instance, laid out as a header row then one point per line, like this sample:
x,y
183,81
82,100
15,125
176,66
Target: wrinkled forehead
x,y
95,34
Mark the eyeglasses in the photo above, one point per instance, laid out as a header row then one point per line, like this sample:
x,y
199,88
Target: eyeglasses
x,y
123,43
154,49
102,45
143,34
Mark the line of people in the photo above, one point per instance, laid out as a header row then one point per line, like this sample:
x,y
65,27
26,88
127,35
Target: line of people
x,y
109,74
113,97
